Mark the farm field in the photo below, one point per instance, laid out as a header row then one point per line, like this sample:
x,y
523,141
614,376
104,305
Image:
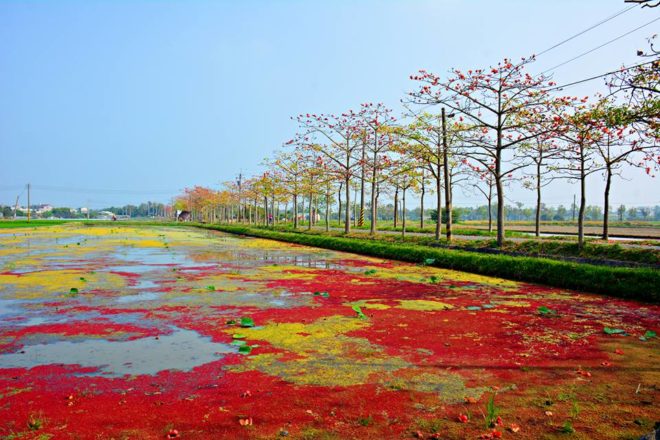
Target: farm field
x,y
145,332
650,231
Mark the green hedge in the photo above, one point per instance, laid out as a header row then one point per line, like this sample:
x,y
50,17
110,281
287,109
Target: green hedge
x,y
636,283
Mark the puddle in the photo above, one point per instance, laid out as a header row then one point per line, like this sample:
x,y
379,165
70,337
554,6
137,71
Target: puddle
x,y
181,350
144,296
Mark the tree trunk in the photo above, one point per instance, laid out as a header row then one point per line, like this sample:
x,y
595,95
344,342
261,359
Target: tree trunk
x,y
396,205
372,229
339,202
500,212
316,209
606,214
295,211
421,206
327,210
265,211
309,224
537,225
445,167
583,201
403,214
438,192
347,224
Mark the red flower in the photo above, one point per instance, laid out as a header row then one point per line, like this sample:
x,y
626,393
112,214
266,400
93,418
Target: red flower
x,y
173,433
463,418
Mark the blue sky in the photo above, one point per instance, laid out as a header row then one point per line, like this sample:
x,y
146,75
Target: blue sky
x,y
143,98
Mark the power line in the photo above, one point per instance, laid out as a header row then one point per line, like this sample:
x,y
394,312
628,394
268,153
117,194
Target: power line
x,y
600,46
600,76
101,191
587,30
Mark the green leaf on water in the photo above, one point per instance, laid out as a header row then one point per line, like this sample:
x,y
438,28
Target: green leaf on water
x,y
244,349
73,291
238,343
545,311
613,331
648,335
238,336
211,288
323,294
231,322
247,322
370,272
359,312
83,279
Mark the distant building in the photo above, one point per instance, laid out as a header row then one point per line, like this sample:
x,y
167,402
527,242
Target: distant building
x,y
40,209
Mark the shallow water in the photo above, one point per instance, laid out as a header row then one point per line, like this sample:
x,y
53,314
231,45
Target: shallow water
x,y
180,350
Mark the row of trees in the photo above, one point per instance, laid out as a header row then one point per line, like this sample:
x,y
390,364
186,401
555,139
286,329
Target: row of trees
x,y
485,128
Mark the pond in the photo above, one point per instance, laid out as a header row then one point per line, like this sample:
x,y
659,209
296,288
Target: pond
x,y
120,331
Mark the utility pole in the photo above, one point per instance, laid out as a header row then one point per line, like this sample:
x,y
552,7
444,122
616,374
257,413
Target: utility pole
x,y
364,161
445,158
16,207
28,205
240,213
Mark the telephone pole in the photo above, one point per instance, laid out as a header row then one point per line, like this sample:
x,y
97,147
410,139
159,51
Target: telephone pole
x,y
240,183
28,205
447,174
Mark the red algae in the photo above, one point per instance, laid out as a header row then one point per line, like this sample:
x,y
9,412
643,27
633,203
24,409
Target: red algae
x,y
432,349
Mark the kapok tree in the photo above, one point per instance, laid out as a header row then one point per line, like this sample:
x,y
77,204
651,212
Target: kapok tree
x,y
543,152
313,173
405,175
638,87
290,166
483,181
337,138
424,135
503,105
619,145
580,132
377,120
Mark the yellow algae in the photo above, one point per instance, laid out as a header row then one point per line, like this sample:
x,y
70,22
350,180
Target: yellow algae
x,y
417,273
325,355
317,337
33,284
450,387
372,304
290,272
512,303
261,243
423,305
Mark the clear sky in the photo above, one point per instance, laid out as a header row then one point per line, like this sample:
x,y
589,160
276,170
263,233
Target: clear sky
x,y
109,102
